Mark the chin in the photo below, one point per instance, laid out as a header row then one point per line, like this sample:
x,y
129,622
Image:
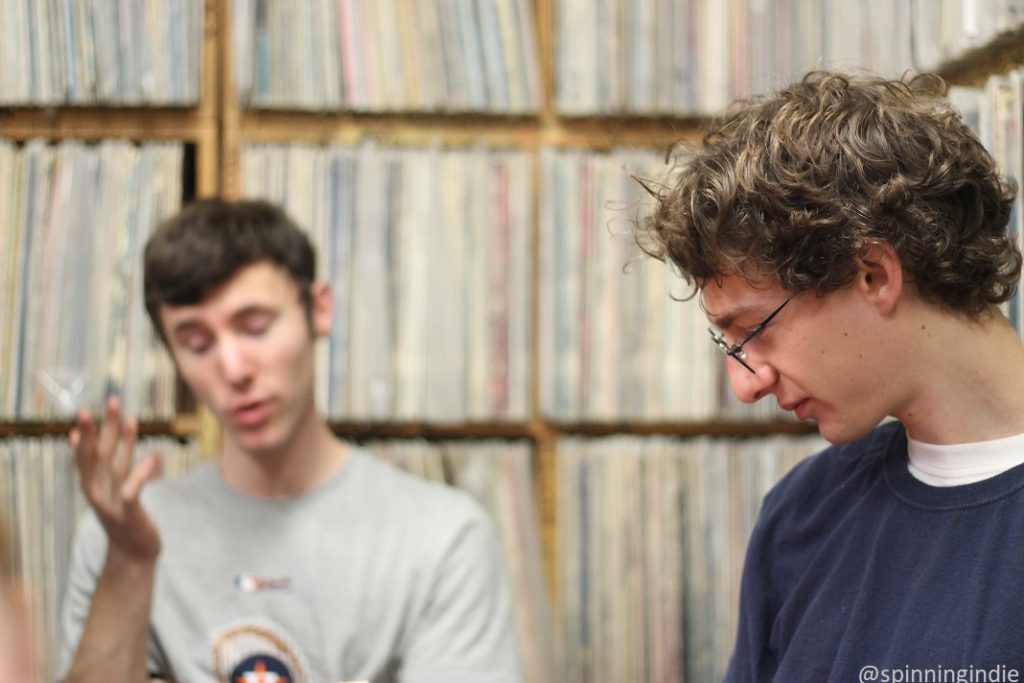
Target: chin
x,y
839,433
259,442
262,448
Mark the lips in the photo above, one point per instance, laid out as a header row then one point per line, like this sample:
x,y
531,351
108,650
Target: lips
x,y
251,414
801,408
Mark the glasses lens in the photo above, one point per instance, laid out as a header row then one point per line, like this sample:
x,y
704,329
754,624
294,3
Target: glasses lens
x,y
738,353
719,339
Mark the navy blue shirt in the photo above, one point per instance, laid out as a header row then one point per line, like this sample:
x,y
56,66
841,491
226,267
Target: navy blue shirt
x,y
854,564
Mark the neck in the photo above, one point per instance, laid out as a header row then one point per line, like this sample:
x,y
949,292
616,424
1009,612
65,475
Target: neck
x,y
966,386
306,459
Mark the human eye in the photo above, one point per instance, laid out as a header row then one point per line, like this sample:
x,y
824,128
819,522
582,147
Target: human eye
x,y
758,331
738,334
197,343
752,333
257,323
741,332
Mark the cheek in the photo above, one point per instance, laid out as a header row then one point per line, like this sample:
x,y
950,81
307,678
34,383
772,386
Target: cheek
x,y
828,342
198,374
291,355
198,371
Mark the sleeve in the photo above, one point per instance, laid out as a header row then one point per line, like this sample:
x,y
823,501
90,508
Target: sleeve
x,y
464,633
88,554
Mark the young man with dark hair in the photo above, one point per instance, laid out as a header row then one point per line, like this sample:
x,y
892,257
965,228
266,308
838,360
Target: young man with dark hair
x,y
295,556
848,241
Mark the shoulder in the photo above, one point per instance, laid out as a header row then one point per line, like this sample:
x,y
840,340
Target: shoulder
x,y
400,496
427,529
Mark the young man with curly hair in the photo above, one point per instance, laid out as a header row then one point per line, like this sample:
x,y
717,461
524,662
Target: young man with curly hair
x,y
847,238
294,556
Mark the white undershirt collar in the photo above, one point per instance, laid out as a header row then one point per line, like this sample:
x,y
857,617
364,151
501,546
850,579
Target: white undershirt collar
x,y
963,463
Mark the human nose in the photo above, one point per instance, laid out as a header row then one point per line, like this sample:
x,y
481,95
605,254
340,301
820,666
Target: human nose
x,y
234,362
748,386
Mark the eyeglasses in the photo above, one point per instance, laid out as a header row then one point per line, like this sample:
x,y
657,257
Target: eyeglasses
x,y
737,351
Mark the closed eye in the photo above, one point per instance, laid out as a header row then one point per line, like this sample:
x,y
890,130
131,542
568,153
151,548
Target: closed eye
x,y
256,323
196,343
754,332
739,335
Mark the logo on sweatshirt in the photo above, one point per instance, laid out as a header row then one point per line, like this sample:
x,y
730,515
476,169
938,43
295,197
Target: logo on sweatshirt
x,y
261,669
251,583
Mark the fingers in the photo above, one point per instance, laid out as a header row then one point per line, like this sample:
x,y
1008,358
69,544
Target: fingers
x,y
110,432
83,443
149,467
104,453
124,451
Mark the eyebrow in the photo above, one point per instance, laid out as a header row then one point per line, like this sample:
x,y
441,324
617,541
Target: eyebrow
x,y
725,320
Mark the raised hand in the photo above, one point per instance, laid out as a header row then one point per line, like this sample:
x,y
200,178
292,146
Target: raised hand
x,y
111,482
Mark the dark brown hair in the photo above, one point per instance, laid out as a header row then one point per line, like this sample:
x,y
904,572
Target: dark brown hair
x,y
794,186
208,241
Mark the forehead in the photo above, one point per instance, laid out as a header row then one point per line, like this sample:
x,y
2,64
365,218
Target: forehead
x,y
259,284
728,297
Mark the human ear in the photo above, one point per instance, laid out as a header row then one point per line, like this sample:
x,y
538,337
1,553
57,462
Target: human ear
x,y
322,314
880,275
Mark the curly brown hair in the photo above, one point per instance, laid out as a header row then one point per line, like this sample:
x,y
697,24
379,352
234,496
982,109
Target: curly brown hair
x,y
794,186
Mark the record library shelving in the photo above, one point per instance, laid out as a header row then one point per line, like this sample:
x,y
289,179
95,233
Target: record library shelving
x,y
194,126
545,128
239,126
218,126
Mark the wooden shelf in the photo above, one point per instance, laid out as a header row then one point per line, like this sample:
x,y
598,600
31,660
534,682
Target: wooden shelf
x,y
425,430
541,428
1003,53
182,426
402,129
605,133
96,123
462,129
719,428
